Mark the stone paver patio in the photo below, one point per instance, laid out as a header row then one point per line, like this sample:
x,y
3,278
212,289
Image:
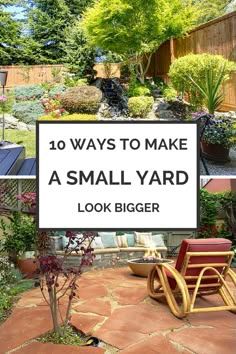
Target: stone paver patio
x,y
114,307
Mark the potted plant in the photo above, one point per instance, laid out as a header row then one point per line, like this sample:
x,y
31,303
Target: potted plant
x,y
218,137
19,241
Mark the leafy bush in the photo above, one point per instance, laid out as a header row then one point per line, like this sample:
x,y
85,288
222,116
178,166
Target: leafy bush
x,y
169,93
70,117
140,106
137,89
19,235
8,274
71,80
82,99
30,92
195,66
56,91
28,111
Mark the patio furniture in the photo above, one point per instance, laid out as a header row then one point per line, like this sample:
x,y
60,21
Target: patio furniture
x,y
14,162
203,121
201,269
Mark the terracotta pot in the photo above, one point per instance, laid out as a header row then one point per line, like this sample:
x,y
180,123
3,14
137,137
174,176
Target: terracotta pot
x,y
215,152
27,267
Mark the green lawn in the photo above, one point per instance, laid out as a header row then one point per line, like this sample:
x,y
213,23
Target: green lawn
x,y
25,138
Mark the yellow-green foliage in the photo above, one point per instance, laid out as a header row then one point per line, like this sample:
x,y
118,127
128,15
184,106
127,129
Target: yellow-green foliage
x,y
140,106
69,117
196,66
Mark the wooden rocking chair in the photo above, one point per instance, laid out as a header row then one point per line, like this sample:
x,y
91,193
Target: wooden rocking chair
x,y
201,269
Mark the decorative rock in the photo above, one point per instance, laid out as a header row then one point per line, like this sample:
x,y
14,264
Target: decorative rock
x,y
229,115
13,123
21,126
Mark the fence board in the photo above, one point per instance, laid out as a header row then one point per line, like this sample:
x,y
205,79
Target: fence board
x,y
215,37
27,75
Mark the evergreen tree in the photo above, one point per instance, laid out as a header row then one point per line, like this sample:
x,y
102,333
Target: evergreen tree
x,y
10,35
49,25
80,57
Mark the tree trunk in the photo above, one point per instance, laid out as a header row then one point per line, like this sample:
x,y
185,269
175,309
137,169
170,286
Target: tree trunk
x,y
142,68
54,311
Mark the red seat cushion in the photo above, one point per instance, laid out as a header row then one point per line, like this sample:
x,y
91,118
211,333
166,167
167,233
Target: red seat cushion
x,y
201,245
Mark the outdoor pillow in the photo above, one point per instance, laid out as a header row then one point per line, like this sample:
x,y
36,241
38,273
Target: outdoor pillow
x,y
130,240
122,241
65,241
143,238
108,239
157,241
97,243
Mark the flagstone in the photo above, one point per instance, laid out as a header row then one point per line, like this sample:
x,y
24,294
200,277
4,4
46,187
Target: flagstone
x,y
22,325
206,340
86,323
49,348
92,291
154,345
130,296
97,306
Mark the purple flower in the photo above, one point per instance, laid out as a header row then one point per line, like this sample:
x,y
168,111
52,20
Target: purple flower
x,y
3,99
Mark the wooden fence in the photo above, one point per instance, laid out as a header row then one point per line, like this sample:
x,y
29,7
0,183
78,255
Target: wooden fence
x,y
215,37
38,74
35,74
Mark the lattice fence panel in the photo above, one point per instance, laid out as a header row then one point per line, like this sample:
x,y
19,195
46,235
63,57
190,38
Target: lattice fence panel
x,y
10,188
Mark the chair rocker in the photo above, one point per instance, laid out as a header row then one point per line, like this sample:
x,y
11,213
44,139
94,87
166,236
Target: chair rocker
x,y
201,269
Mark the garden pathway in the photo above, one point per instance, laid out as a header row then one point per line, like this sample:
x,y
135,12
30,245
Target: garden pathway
x,y
114,306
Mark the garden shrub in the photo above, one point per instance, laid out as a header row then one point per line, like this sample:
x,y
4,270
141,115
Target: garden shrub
x,y
70,117
169,93
196,66
82,99
29,92
140,106
28,111
137,89
56,91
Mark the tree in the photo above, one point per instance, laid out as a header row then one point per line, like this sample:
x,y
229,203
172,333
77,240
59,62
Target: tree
x,y
49,23
79,56
10,35
136,28
211,9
